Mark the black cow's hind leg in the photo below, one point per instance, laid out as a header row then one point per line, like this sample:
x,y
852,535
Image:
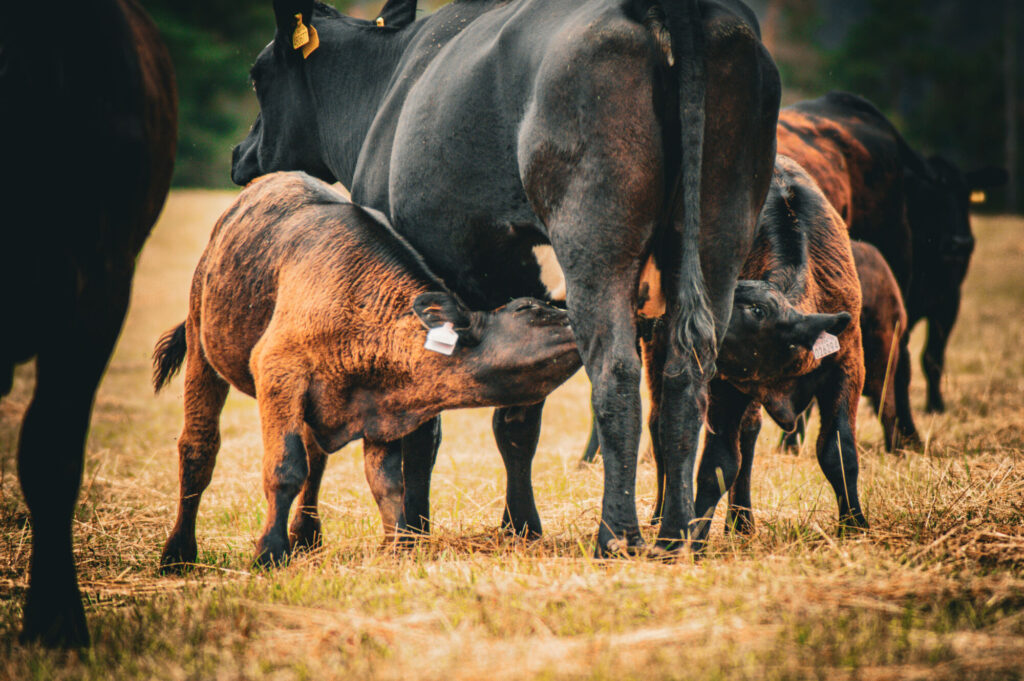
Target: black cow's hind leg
x,y
50,461
419,452
517,430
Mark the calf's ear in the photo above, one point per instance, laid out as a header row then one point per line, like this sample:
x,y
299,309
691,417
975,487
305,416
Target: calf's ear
x,y
986,178
436,308
809,327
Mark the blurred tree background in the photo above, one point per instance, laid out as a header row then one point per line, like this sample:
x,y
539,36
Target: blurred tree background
x,y
946,71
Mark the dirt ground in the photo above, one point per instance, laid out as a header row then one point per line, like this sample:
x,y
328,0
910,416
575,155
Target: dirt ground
x,y
934,590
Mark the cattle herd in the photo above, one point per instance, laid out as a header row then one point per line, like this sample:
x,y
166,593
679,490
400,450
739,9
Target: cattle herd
x,y
535,185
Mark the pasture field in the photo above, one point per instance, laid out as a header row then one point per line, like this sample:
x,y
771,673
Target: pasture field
x,y
935,590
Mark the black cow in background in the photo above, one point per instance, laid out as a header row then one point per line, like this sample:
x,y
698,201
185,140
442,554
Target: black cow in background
x,y
88,125
503,138
914,209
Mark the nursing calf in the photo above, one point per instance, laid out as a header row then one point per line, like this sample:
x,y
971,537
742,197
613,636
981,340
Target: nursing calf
x,y
318,309
793,337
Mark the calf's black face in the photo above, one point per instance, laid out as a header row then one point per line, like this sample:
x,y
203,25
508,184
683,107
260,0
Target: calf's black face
x,y
767,337
516,354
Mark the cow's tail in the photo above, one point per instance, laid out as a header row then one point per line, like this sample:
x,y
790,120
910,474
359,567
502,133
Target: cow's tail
x,y
695,333
168,355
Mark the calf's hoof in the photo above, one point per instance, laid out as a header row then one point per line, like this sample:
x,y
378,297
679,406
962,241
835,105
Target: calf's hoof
x,y
178,556
935,405
270,553
305,534
55,621
740,521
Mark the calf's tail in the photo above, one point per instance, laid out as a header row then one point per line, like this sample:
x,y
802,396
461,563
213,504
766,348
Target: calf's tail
x,y
695,333
168,355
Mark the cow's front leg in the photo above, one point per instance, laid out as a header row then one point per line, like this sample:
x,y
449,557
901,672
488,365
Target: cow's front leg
x,y
285,467
382,463
740,516
720,462
933,361
517,430
837,445
305,530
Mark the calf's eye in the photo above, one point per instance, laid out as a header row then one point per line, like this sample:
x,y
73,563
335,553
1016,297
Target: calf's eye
x,y
757,312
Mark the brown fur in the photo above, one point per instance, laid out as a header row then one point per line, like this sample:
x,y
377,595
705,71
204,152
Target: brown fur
x,y
884,332
305,302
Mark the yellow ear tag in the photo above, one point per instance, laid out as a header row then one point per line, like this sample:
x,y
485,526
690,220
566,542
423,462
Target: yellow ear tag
x,y
380,22
301,36
978,196
314,42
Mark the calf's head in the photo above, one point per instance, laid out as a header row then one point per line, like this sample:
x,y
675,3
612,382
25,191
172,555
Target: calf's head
x,y
516,354
768,338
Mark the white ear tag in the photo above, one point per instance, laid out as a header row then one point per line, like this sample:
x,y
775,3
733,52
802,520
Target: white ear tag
x,y
826,345
442,339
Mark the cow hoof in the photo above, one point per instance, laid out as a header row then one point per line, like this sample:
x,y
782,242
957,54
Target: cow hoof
x,y
55,622
852,525
621,548
178,556
935,407
525,530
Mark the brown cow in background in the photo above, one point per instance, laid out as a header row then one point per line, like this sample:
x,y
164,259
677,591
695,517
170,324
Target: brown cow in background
x,y
88,124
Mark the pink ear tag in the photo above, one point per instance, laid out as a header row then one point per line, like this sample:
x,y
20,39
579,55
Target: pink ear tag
x,y
442,339
826,345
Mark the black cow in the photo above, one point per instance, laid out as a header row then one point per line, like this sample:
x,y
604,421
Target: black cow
x,y
503,138
915,210
88,117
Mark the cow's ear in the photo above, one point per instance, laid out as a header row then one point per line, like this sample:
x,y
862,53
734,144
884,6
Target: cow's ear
x,y
284,14
397,13
986,178
809,327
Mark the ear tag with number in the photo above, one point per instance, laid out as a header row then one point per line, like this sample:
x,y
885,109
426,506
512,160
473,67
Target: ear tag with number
x,y
442,339
301,36
314,42
380,22
826,345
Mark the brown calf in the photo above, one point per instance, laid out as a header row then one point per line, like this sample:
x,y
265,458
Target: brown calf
x,y
883,330
317,308
798,286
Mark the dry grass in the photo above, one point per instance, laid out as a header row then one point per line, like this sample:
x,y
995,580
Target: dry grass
x,y
934,590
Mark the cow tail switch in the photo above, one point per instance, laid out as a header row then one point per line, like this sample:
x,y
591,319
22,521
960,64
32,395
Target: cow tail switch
x,y
695,332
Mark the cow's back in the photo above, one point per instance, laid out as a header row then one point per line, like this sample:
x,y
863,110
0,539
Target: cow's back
x,y
444,156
